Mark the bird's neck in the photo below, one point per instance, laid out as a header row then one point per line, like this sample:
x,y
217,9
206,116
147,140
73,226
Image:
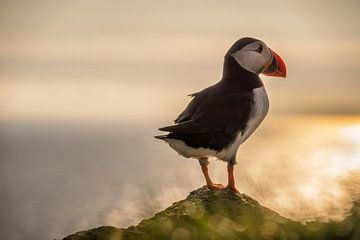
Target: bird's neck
x,y
237,76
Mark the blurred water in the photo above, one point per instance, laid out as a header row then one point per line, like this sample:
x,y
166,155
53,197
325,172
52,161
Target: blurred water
x,y
56,179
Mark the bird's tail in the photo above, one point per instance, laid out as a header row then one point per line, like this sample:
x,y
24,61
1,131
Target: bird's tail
x,y
161,137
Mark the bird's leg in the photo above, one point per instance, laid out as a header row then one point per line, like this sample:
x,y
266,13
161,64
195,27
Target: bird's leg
x,y
231,180
204,162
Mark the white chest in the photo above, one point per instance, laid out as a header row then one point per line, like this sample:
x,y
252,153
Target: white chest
x,y
258,112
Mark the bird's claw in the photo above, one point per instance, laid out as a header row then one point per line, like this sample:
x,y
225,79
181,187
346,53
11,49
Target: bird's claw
x,y
233,188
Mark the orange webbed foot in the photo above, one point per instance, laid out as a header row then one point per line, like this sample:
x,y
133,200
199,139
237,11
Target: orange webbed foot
x,y
233,188
215,186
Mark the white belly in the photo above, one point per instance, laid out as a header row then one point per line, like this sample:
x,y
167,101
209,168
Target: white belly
x,y
258,112
180,147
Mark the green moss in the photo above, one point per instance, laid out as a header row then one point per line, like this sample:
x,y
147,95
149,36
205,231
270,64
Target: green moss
x,y
221,214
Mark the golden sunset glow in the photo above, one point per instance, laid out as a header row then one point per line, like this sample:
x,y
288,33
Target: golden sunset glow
x,y
84,86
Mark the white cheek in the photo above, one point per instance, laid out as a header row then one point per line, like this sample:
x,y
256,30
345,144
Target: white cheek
x,y
267,55
250,60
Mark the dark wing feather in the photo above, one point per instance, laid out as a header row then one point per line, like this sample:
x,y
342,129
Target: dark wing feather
x,y
190,110
191,126
217,109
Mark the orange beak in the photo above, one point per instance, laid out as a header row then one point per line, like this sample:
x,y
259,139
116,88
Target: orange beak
x,y
277,67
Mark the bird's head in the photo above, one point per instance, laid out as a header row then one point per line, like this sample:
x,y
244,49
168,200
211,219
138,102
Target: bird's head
x,y
254,56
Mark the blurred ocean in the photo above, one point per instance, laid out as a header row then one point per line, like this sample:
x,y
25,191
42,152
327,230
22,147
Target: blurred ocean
x,y
134,61
56,179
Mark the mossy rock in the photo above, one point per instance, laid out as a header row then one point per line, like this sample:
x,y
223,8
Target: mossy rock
x,y
221,214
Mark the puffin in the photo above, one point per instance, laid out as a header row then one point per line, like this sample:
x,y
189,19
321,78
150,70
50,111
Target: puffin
x,y
221,117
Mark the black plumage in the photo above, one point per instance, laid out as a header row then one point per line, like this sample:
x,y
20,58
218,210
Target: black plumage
x,y
217,114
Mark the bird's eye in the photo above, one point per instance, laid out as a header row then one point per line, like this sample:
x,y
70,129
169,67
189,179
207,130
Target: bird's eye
x,y
259,49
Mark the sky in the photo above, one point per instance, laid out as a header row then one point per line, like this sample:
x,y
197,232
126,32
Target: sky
x,y
131,65
137,60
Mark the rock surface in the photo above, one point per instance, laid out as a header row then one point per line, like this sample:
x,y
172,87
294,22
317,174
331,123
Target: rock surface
x,y
221,214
